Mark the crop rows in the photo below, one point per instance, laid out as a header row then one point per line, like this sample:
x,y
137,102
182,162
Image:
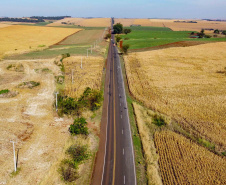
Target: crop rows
x,y
183,83
184,162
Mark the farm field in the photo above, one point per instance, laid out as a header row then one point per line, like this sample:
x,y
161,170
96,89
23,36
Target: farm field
x,y
74,44
83,22
147,37
187,84
175,26
19,39
184,162
89,76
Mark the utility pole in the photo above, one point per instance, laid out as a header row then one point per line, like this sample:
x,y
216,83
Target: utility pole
x,y
72,78
14,155
81,62
56,100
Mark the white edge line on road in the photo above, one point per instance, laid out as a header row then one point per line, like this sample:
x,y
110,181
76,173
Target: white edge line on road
x,y
129,126
123,151
106,135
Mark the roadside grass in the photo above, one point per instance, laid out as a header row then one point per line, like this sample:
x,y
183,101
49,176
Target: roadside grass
x,y
139,158
142,37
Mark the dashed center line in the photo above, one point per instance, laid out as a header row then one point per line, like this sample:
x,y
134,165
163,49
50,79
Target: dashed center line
x,y
122,131
123,151
121,116
124,179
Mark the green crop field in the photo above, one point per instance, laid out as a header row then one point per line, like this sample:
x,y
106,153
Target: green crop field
x,y
143,37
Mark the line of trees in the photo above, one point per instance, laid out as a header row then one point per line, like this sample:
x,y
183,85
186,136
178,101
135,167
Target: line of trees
x,y
21,20
50,17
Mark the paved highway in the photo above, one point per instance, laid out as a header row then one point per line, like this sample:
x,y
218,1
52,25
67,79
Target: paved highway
x,y
117,159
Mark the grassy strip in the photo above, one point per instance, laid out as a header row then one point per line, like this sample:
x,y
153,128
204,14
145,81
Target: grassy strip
x,y
139,158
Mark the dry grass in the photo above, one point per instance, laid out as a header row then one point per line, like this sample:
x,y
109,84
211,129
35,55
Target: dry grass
x,y
2,25
143,121
183,83
124,22
92,22
89,76
184,162
17,39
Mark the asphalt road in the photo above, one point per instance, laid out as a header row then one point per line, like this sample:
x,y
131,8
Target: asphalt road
x,y
115,166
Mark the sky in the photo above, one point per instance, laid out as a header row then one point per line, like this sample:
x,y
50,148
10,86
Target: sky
x,y
188,9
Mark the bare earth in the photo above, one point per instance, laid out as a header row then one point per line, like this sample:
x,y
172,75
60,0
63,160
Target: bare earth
x,y
29,119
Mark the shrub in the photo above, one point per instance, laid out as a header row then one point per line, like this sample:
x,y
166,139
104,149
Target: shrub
x,y
158,120
207,36
4,91
108,36
126,31
125,48
118,38
79,127
224,32
68,173
216,31
78,153
126,38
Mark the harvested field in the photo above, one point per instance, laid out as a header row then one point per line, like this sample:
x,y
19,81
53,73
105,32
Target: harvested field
x,y
2,25
175,26
83,37
86,22
184,162
19,39
185,84
89,76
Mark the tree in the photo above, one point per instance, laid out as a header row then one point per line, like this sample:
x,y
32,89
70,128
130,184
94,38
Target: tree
x,y
118,38
201,34
79,127
224,32
126,31
216,31
118,28
108,36
125,48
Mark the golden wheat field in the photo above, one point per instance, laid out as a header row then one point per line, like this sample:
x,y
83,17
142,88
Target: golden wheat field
x,y
187,84
87,22
17,39
184,162
77,79
175,26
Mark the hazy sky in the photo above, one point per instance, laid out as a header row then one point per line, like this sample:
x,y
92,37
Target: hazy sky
x,y
117,8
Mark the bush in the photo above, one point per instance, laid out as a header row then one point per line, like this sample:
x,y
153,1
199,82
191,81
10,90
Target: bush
x,y
68,173
126,31
125,48
224,32
108,36
78,153
207,36
79,127
126,38
216,31
158,120
4,91
118,38
90,99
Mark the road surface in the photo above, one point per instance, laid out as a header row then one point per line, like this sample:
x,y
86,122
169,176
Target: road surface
x,y
117,157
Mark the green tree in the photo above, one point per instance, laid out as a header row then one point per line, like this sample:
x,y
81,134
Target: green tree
x,y
126,31
118,38
79,127
224,32
118,28
125,48
108,36
216,31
